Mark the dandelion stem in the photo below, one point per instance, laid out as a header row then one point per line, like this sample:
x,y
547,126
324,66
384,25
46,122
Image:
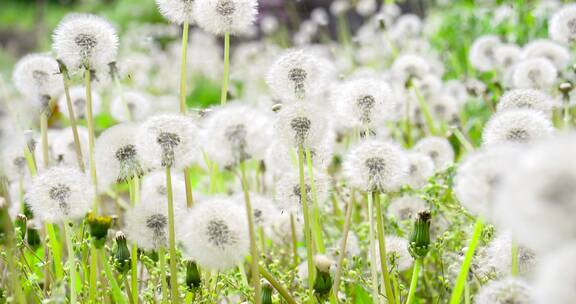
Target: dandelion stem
x,y
44,135
274,282
71,261
514,256
72,118
164,284
252,232
382,246
316,228
463,275
93,293
134,197
90,125
425,110
172,240
188,184
307,230
294,240
342,252
224,92
373,258
56,251
566,112
183,68
414,281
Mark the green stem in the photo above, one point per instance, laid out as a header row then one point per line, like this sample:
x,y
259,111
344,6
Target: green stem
x,y
425,111
172,240
44,138
307,230
463,275
93,292
514,259
134,198
56,251
274,282
566,113
316,228
294,240
343,247
72,119
382,247
373,258
225,76
116,291
164,284
90,125
71,262
414,281
188,185
183,68
252,232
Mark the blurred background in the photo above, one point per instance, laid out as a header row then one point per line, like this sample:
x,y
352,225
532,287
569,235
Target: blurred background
x,y
26,25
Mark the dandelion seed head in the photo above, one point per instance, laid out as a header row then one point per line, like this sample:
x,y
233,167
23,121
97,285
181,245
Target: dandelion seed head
x,y
116,151
154,185
482,54
84,40
438,149
63,147
280,158
263,208
562,25
457,90
221,16
556,53
131,106
406,208
499,256
409,66
376,166
177,11
216,234
506,291
525,99
167,140
396,252
554,281
506,55
538,73
516,126
36,75
78,98
299,74
420,168
301,124
60,193
288,196
14,163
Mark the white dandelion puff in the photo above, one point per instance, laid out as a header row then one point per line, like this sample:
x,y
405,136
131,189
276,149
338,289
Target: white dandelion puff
x,y
281,158
506,55
479,177
364,102
237,132
457,90
154,185
177,11
376,166
280,230
506,291
516,126
438,149
288,191
499,253
131,106
556,53
78,98
116,151
263,209
482,54
555,278
60,193
409,66
420,168
14,164
84,40
525,99
37,76
397,253
299,74
537,199
301,124
405,208
166,140
352,246
537,73
63,146
225,16
562,25
216,234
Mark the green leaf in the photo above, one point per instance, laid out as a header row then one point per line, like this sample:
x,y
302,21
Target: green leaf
x,y
361,296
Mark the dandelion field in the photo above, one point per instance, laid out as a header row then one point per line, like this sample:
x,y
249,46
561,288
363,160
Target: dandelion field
x,y
262,151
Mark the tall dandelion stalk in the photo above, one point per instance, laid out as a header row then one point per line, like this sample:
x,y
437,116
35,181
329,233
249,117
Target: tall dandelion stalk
x,y
307,228
463,274
172,239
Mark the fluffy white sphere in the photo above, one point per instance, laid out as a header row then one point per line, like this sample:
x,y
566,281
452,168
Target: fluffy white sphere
x,y
225,16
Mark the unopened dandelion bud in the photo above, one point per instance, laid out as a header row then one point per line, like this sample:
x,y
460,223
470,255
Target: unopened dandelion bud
x,y
193,277
323,281
266,294
420,237
121,254
99,226
20,225
565,88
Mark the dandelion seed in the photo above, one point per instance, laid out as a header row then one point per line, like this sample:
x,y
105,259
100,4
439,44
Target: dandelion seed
x,y
84,40
438,149
216,234
166,140
562,25
115,150
225,16
177,11
60,193
298,74
506,291
376,166
516,126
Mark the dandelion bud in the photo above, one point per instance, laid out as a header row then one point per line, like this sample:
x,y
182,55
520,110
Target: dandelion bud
x,y
420,236
266,293
225,16
121,253
193,277
323,281
20,225
99,226
565,88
